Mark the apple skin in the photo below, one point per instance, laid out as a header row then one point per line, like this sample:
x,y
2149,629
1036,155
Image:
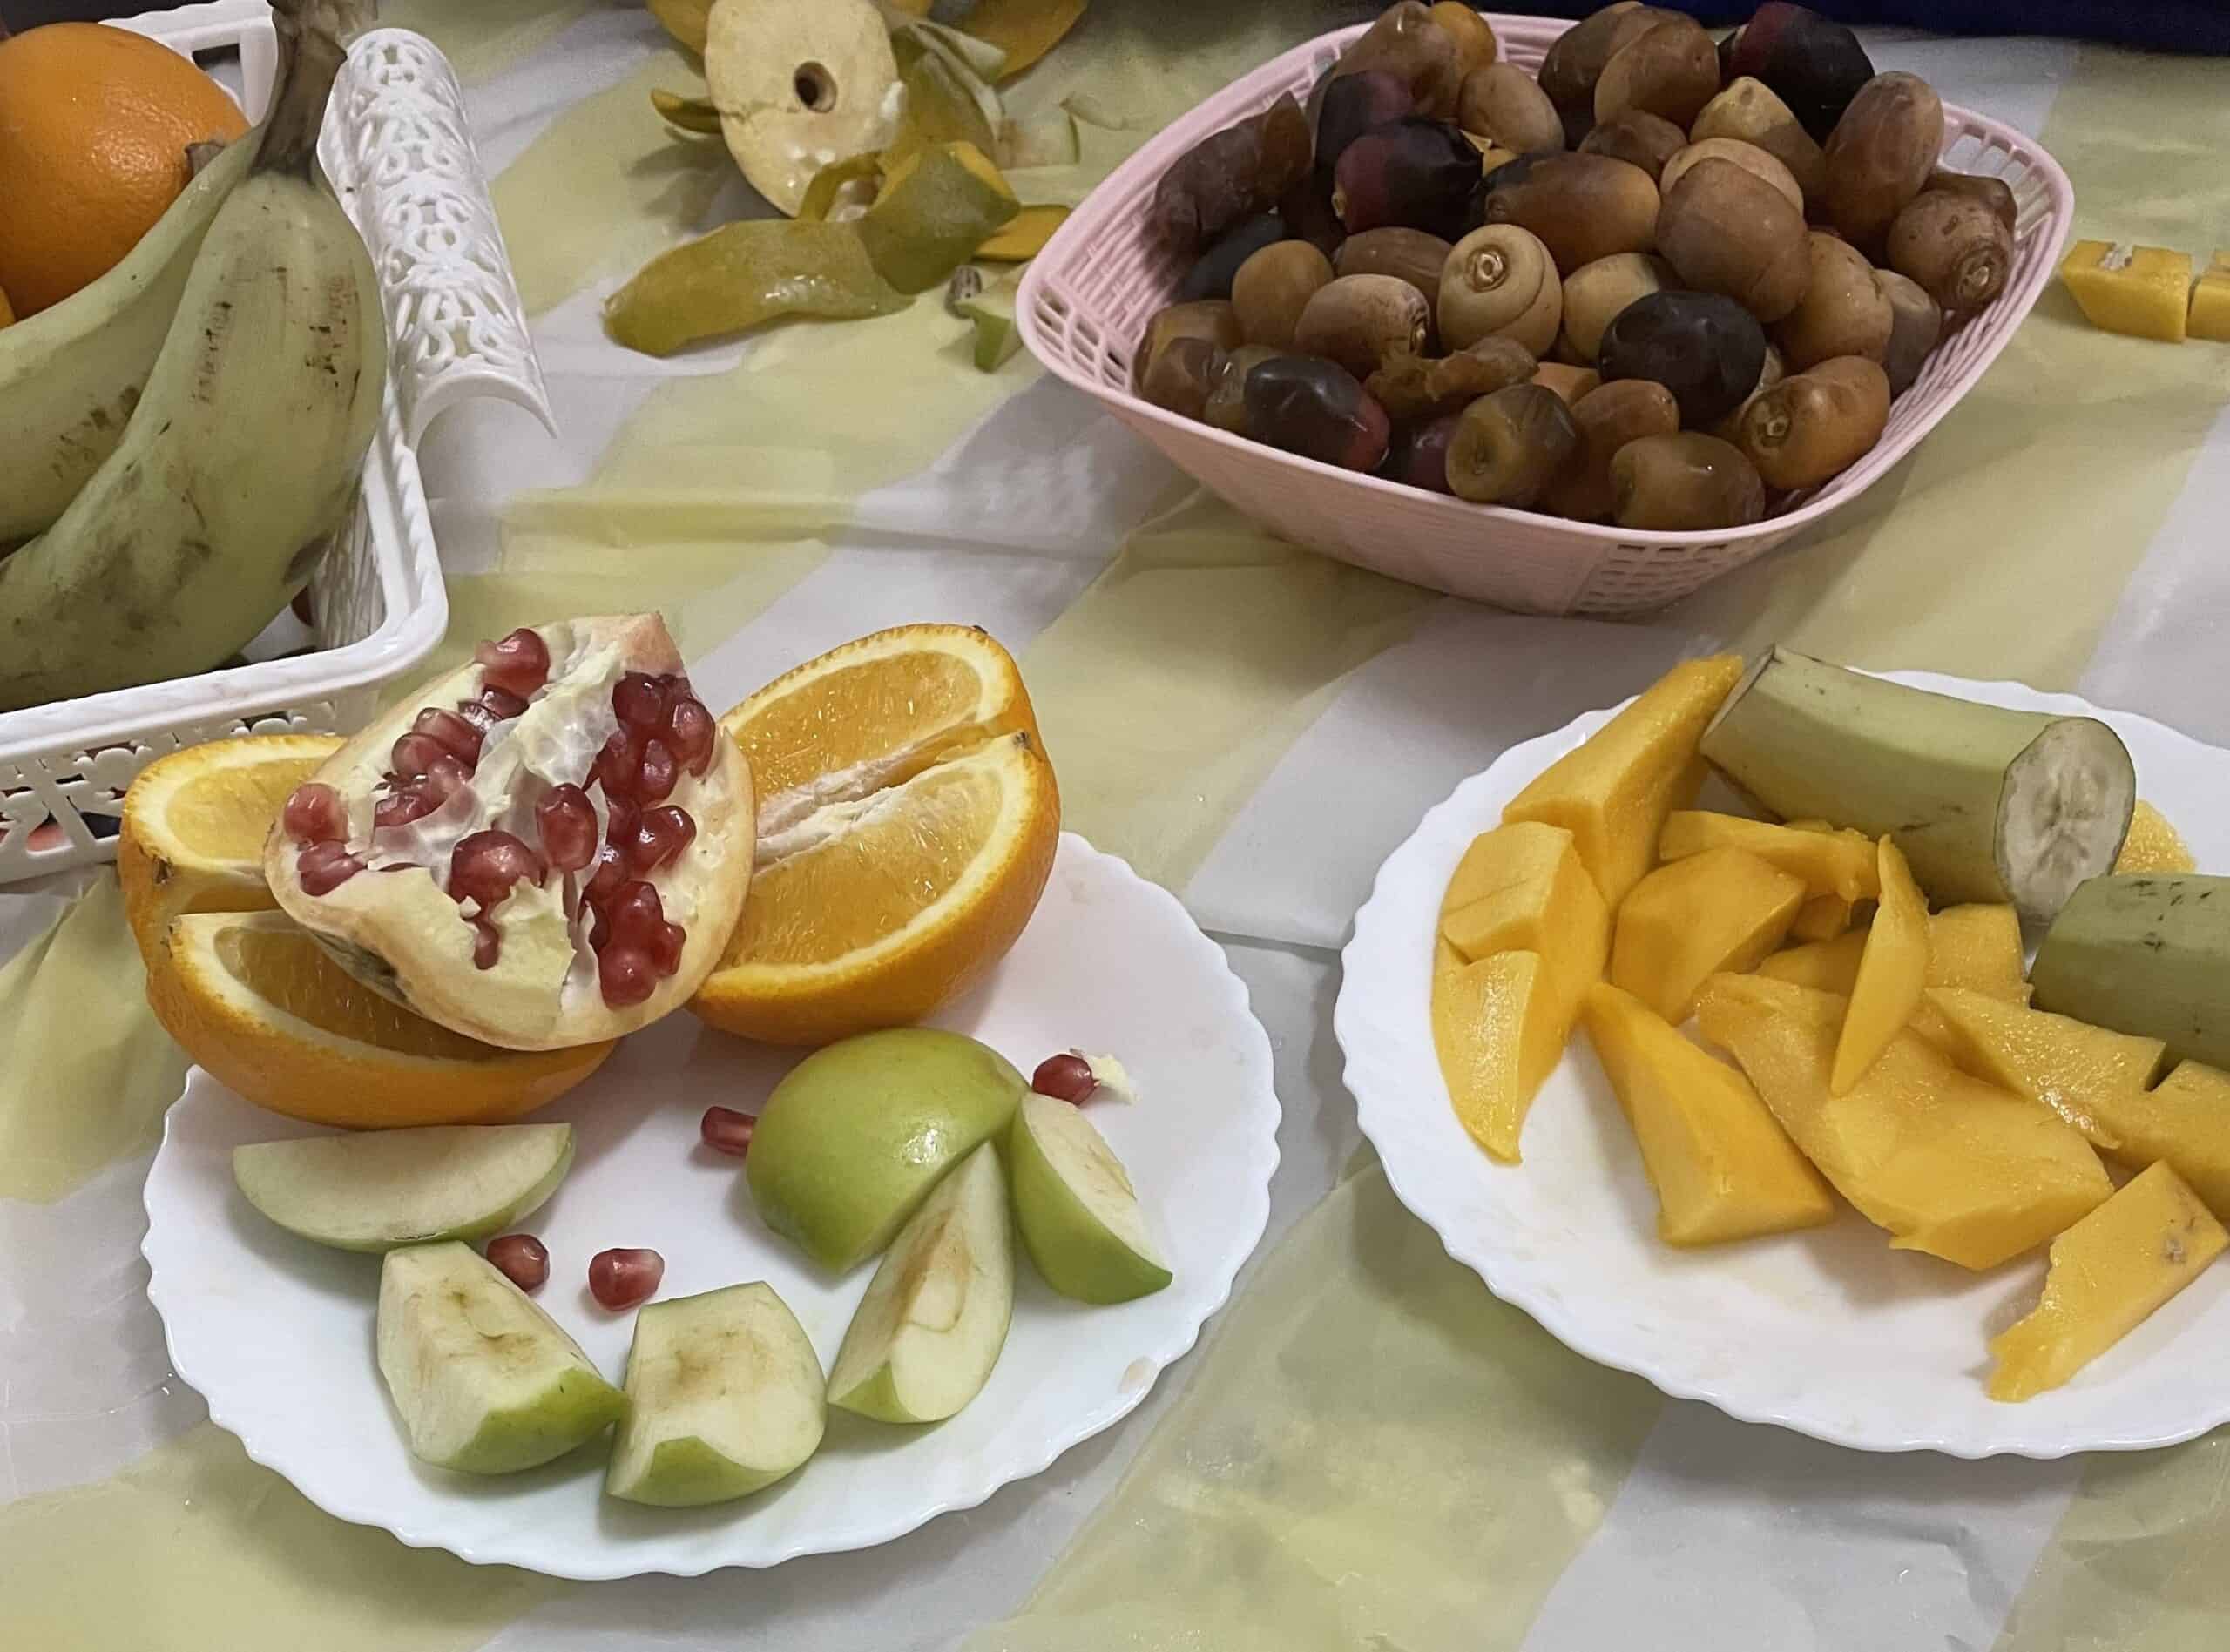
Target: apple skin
x,y
1074,1251
851,1143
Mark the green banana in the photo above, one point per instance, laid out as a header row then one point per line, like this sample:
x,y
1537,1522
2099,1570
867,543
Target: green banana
x,y
244,451
70,375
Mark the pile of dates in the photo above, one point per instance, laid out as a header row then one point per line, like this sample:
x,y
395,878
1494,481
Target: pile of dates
x,y
1665,281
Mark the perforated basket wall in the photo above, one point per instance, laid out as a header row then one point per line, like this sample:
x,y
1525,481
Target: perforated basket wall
x,y
1086,299
397,151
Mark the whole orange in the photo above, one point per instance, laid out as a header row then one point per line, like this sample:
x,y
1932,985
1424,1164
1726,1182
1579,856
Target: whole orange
x,y
94,126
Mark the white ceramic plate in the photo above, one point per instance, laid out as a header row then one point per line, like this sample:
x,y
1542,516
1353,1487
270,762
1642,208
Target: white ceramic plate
x,y
276,1332
1828,1332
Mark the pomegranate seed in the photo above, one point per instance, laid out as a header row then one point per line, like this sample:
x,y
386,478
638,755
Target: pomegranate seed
x,y
324,867
690,731
399,808
726,1130
1066,1078
654,781
522,1258
487,945
665,947
478,716
455,734
620,1279
626,975
623,818
504,704
640,698
636,913
565,820
615,765
444,779
484,865
611,875
665,833
415,753
518,665
315,814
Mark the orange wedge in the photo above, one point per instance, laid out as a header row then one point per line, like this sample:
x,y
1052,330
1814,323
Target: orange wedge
x,y
907,825
194,824
252,998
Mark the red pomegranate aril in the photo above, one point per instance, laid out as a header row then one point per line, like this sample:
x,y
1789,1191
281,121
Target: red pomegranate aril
x,y
654,779
615,765
399,808
504,704
522,1258
622,818
640,698
726,1130
620,1278
625,975
478,716
665,947
517,665
663,834
445,777
414,754
453,733
314,813
606,881
487,945
690,731
324,867
484,865
565,820
1066,1078
636,913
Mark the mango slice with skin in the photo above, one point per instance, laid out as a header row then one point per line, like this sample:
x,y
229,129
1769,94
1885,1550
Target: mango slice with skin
x,y
1891,971
2109,1273
2209,319
1724,909
2142,291
1614,790
1722,1168
1499,1026
2082,1073
1945,1163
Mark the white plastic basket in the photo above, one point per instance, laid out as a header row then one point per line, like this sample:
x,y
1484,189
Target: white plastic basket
x,y
1086,299
458,327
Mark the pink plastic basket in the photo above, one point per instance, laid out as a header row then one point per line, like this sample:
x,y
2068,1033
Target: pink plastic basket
x,y
1086,298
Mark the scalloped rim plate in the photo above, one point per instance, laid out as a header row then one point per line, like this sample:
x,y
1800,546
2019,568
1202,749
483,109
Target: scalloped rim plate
x,y
276,1332
1828,1332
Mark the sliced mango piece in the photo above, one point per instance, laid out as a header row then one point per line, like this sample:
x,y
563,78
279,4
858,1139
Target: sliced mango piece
x,y
1445,957
1823,918
1614,790
1554,912
2210,314
936,207
1892,970
2153,845
1685,921
1024,236
1499,1026
2080,1072
1831,863
1722,1168
2141,291
2109,1273
1946,1163
1522,851
2185,1120
1977,947
1824,966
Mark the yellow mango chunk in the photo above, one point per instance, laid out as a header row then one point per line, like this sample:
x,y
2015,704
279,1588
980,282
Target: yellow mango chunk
x,y
1556,913
1977,947
1946,1163
1445,957
1614,790
1824,966
1830,863
1685,921
1822,918
2184,1120
1722,1169
2210,310
2076,1070
2153,845
1891,971
1520,853
2142,291
1499,1026
2108,1273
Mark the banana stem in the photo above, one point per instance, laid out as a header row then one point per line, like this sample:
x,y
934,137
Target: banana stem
x,y
310,56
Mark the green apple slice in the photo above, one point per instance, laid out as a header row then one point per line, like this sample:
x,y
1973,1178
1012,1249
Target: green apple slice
x,y
485,1382
724,1395
1079,1219
931,1327
375,1190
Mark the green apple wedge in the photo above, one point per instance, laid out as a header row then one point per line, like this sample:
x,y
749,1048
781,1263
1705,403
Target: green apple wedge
x,y
925,1337
724,1395
1079,1219
852,1141
485,1381
375,1190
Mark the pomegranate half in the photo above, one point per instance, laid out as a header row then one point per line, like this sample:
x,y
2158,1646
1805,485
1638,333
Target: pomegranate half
x,y
546,847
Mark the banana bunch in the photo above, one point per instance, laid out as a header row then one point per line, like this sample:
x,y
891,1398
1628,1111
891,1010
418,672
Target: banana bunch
x,y
191,522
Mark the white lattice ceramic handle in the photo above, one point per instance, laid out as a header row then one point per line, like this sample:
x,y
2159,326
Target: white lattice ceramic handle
x,y
398,149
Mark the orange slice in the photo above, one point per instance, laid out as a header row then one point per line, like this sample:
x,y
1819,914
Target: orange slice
x,y
194,824
907,826
252,998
